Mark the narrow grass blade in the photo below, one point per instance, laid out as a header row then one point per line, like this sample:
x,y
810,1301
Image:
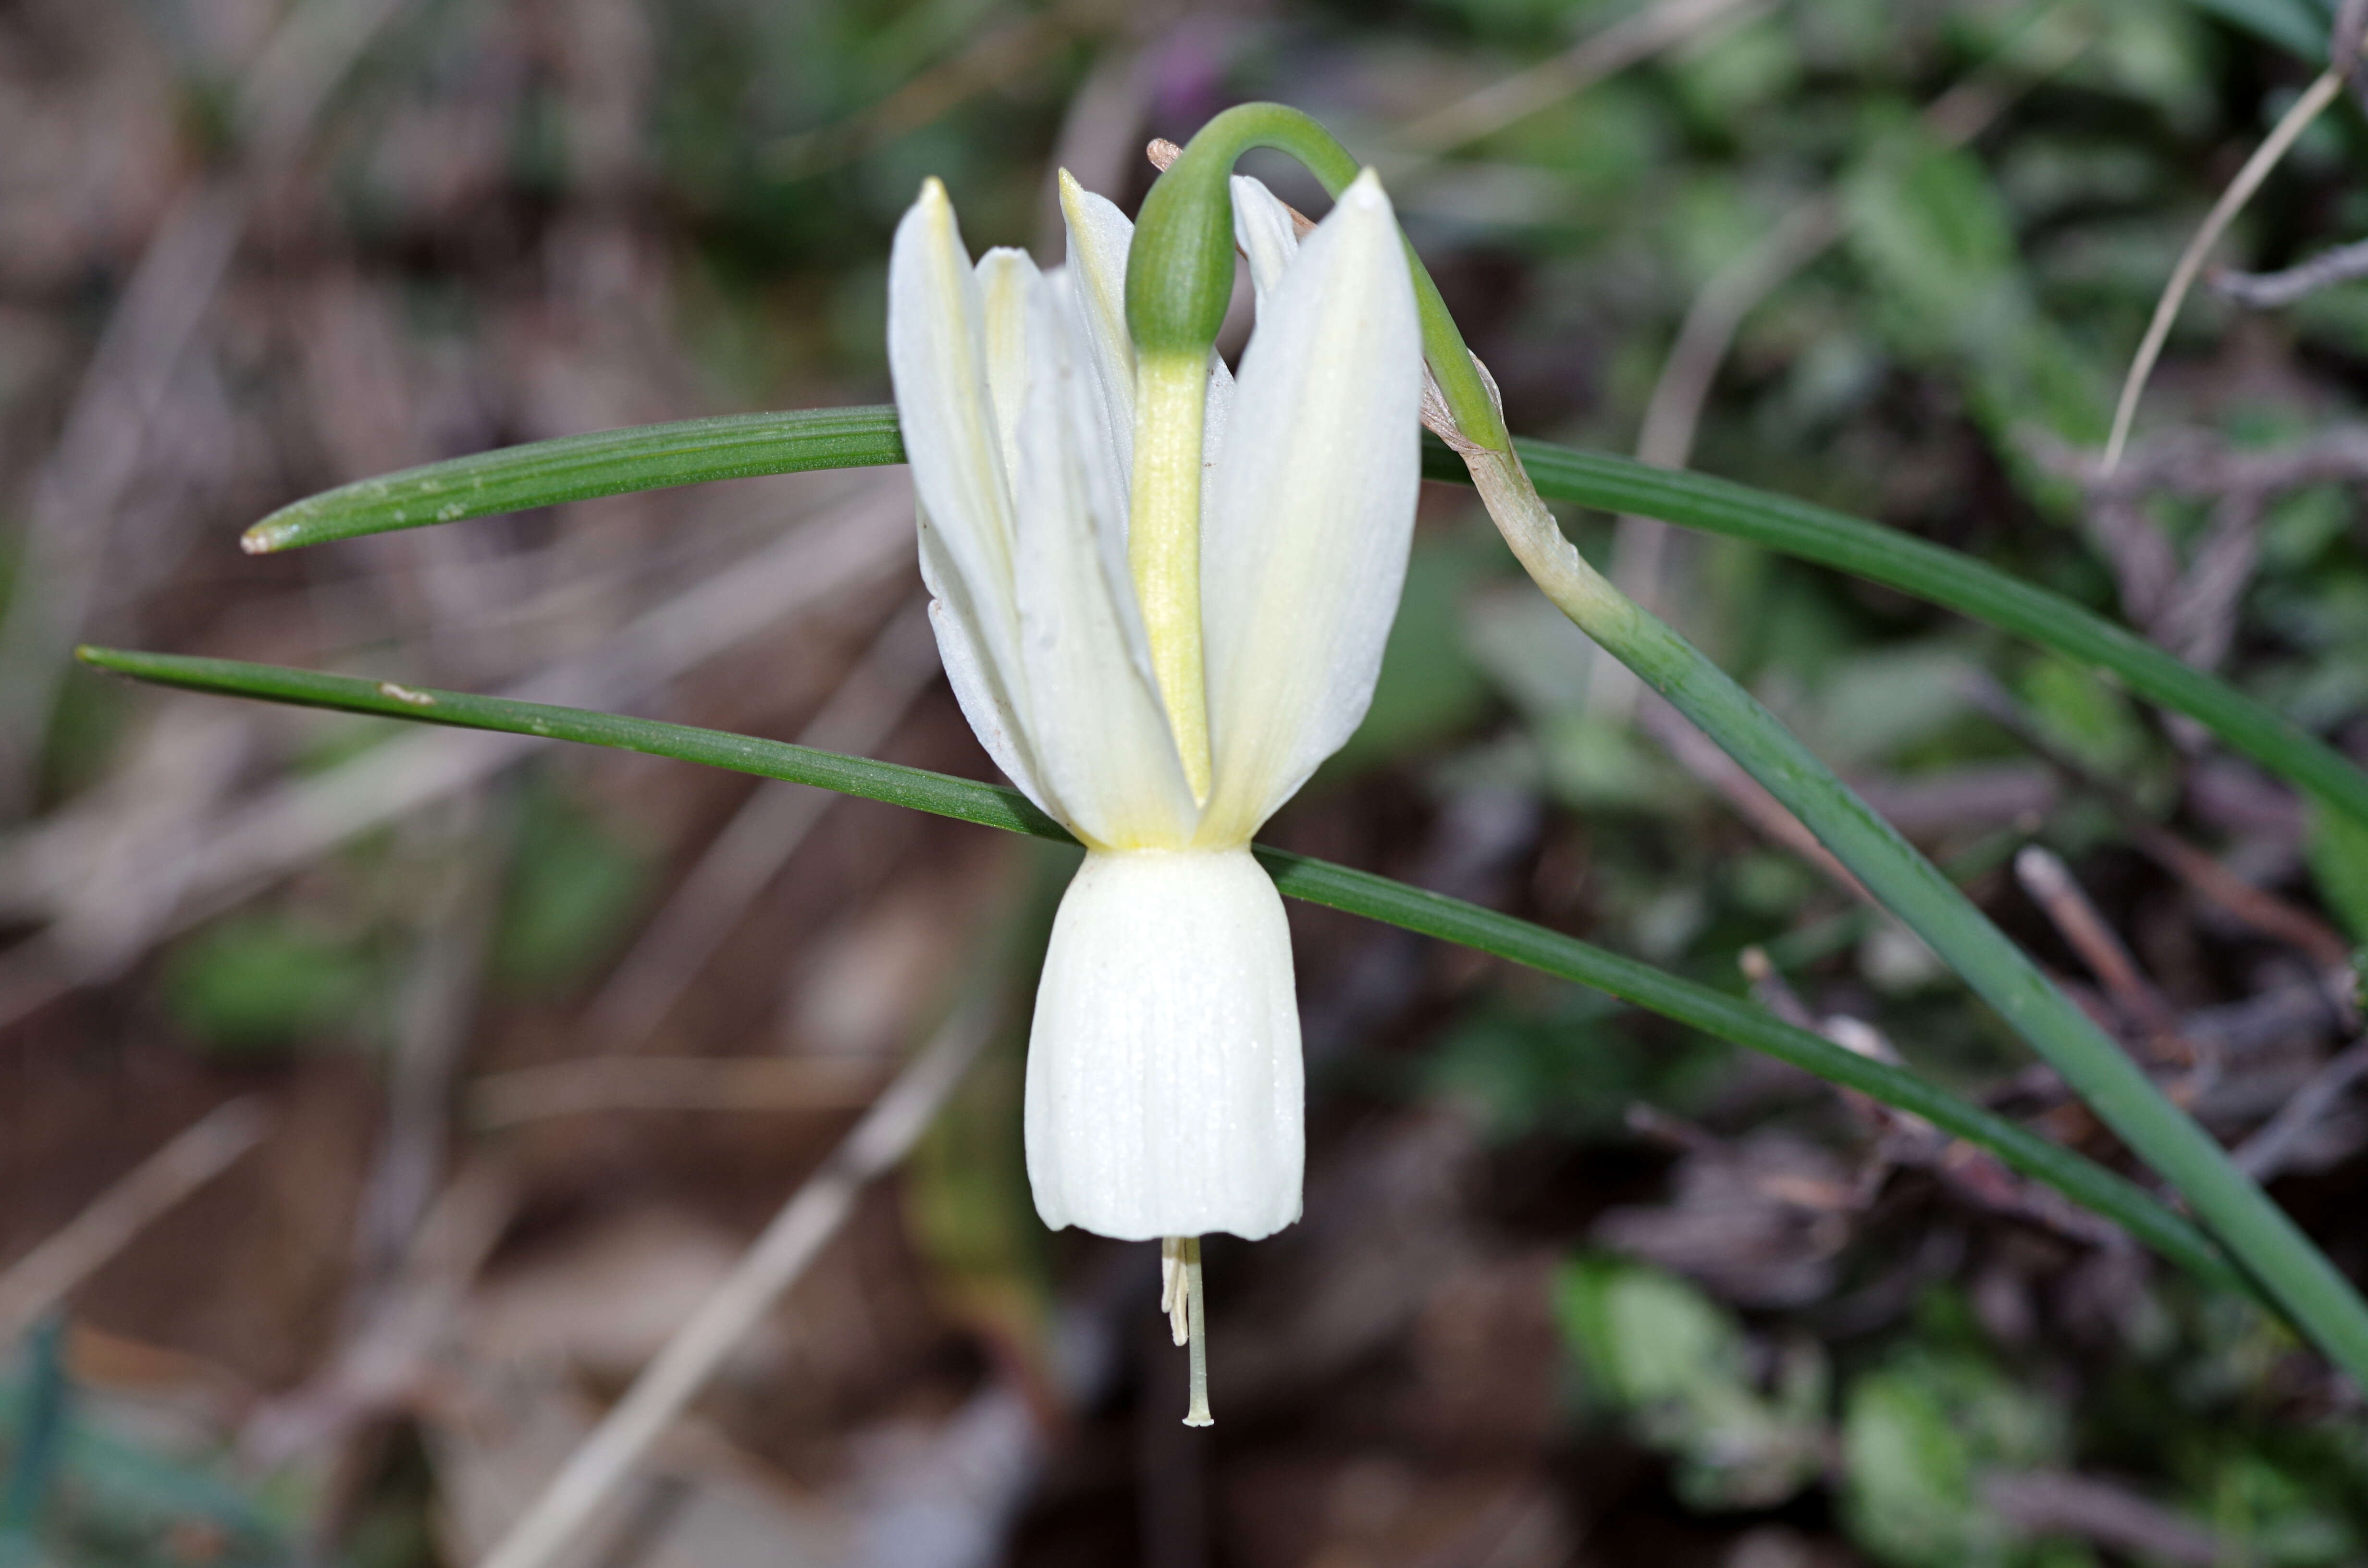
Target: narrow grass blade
x,y
610,462
1942,577
1317,881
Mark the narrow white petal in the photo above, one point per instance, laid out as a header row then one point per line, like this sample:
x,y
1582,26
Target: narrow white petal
x,y
938,355
1262,227
1099,236
1007,281
1101,740
1105,476
976,686
1165,1089
938,358
1216,420
1304,545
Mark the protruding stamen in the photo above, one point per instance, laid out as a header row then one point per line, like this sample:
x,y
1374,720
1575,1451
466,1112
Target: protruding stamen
x,y
1196,1335
1171,1284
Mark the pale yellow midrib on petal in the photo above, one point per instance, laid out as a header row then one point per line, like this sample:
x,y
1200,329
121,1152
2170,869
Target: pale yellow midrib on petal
x,y
1164,546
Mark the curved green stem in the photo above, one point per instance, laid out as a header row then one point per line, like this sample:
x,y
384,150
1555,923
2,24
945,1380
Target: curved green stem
x,y
2262,1237
1317,881
1180,272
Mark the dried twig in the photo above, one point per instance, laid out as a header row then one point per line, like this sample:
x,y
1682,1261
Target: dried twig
x,y
2265,912
2205,877
48,1274
2052,887
79,490
2344,46
1772,991
2297,119
2198,619
810,1219
2266,1153
2056,1502
2295,1015
670,1082
2193,610
2271,290
2204,463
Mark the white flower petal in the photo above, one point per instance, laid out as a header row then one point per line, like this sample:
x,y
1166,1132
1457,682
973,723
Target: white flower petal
x,y
1007,280
1262,227
1164,1088
1303,547
977,687
1100,236
938,355
1100,734
938,358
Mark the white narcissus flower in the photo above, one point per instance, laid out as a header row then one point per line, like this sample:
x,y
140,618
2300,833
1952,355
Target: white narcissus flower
x,y
1164,1095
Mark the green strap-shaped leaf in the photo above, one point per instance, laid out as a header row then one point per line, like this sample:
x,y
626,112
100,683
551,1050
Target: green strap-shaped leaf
x,y
576,468
651,456
1317,881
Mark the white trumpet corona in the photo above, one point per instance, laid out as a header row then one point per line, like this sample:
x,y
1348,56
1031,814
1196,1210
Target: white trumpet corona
x,y
1165,1085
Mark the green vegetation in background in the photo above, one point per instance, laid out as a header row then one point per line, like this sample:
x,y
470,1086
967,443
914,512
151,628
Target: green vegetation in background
x,y
268,981
1558,1066
1655,1351
575,885
1428,691
1919,1434
1936,241
1908,1435
109,1498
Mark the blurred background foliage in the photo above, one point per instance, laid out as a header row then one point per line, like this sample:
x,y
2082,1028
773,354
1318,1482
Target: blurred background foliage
x,y
1573,1287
